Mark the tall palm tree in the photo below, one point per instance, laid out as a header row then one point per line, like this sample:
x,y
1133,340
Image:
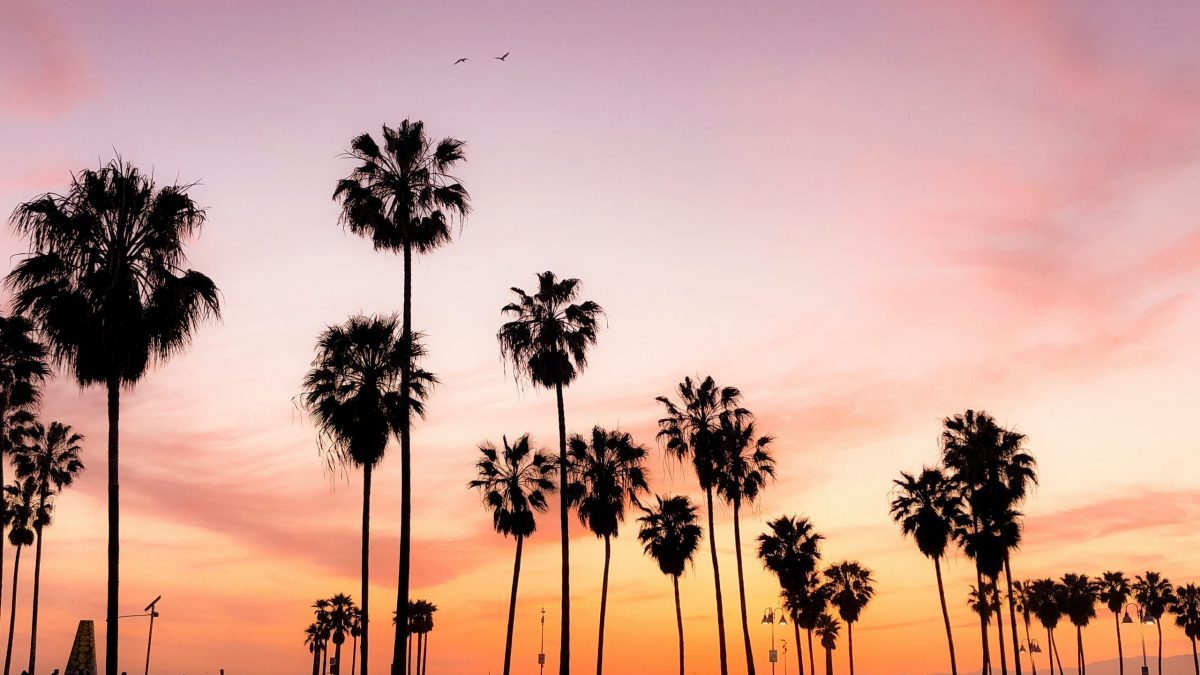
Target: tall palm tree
x,y
670,535
107,285
403,196
1113,589
312,639
353,394
1154,593
51,460
792,551
514,484
1021,591
748,466
851,588
547,341
25,514
1186,608
691,430
827,629
927,508
1079,595
1044,601
607,472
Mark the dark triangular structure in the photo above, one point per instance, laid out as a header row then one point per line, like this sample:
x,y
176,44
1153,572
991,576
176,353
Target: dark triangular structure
x,y
83,652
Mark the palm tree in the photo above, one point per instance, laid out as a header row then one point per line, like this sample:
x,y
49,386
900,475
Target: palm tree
x,y
514,486
51,460
607,471
403,197
1079,594
1154,593
340,616
312,639
25,514
547,342
984,601
748,466
670,535
792,551
827,629
927,507
420,615
321,610
807,604
851,589
1114,593
691,429
355,634
1186,608
353,394
107,285
1044,601
1021,591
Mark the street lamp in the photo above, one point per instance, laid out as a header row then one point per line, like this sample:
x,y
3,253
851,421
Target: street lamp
x,y
151,612
1031,647
1142,620
783,643
542,649
769,618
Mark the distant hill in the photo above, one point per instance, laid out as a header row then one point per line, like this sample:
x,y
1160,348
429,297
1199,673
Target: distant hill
x,y
1172,665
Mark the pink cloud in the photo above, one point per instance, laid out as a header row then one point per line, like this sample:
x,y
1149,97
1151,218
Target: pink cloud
x,y
43,70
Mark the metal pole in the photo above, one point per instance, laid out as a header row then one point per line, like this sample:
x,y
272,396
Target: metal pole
x,y
542,647
773,642
149,640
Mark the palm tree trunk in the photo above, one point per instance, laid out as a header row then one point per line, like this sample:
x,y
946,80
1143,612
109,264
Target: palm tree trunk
x,y
985,654
324,659
1012,615
1079,643
603,607
712,548
1050,649
799,646
850,644
337,658
398,665
737,547
812,662
512,607
1029,642
1120,646
1157,624
679,620
364,612
1195,657
12,613
37,586
354,655
114,527
425,654
316,660
937,568
564,642
828,661
1057,656
409,640
1000,635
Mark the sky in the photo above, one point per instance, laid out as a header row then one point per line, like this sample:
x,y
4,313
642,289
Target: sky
x,y
867,216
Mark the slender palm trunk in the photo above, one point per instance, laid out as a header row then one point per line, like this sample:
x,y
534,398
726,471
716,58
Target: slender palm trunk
x,y
1000,635
712,548
737,545
1195,657
1029,641
828,661
985,654
1120,646
37,587
409,639
337,658
1079,648
354,655
324,659
937,568
1157,624
316,660
1057,656
401,636
564,643
114,527
1012,615
679,620
603,606
365,613
512,607
425,654
1050,649
812,661
799,646
420,651
850,644
12,612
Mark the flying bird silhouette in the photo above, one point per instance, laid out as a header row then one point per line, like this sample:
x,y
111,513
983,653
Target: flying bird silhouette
x,y
501,58
460,60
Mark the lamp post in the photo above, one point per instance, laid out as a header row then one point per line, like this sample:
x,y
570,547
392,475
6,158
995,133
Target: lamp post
x,y
769,618
542,648
151,612
1143,619
1030,647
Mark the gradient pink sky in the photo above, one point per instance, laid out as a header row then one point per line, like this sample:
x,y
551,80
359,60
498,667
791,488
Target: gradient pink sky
x,y
866,215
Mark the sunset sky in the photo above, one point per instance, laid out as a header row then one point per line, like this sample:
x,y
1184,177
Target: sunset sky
x,y
867,216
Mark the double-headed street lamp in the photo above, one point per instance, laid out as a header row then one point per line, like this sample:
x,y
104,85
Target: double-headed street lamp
x,y
1142,619
769,615
152,612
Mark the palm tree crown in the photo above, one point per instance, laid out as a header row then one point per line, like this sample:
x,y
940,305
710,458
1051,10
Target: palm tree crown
x,y
514,483
549,334
851,588
791,550
691,428
1113,590
51,458
1044,601
669,533
23,365
1154,593
927,507
1079,595
748,461
607,471
1186,608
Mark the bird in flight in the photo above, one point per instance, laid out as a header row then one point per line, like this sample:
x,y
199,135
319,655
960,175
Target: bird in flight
x,y
460,60
501,58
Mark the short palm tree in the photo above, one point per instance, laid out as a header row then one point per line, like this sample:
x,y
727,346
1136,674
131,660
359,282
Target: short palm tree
x,y
547,342
807,603
403,197
827,629
748,466
353,394
607,471
1113,589
313,640
25,514
791,550
107,285
984,601
1044,601
514,484
670,535
340,616
1186,608
851,588
1021,593
355,634
321,619
690,430
420,616
51,459
1079,595
927,507
1154,593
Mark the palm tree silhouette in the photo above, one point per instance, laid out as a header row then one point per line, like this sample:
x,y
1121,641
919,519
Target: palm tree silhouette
x,y
547,342
1043,597
355,634
1021,593
24,514
51,460
324,630
353,393
670,535
1186,608
984,601
748,466
1154,593
403,197
314,641
927,507
340,616
792,551
850,591
1079,595
807,604
514,485
691,429
1113,590
107,285
607,471
827,628
421,625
